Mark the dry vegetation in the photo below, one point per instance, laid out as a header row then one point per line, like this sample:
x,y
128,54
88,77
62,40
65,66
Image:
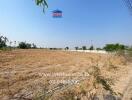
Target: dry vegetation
x,y
22,75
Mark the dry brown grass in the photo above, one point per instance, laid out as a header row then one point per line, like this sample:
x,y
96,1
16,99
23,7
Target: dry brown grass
x,y
21,73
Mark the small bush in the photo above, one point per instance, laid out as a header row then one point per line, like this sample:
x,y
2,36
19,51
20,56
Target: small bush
x,y
91,48
84,47
76,48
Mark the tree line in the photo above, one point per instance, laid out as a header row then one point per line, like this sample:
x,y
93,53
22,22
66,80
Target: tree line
x,y
24,45
84,48
107,47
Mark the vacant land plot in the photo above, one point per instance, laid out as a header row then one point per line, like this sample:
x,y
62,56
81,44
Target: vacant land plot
x,y
61,75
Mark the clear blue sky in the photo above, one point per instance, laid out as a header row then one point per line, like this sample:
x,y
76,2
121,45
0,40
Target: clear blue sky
x,y
102,21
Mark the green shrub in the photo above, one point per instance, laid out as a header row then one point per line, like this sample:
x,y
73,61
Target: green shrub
x,y
114,47
66,48
24,45
91,48
76,48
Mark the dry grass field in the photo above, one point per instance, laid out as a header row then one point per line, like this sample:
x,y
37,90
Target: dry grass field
x,y
61,75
